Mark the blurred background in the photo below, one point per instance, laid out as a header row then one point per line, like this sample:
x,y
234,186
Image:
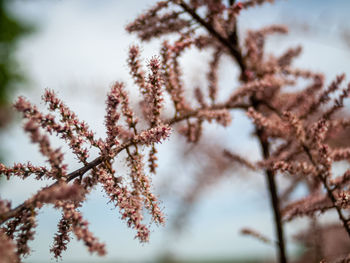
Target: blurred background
x,y
79,48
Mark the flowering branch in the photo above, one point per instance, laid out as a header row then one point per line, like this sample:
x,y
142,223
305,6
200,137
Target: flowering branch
x,y
298,132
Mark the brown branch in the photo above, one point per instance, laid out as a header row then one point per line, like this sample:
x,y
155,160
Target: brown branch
x,y
329,191
231,2
97,161
272,186
77,173
194,113
232,47
320,176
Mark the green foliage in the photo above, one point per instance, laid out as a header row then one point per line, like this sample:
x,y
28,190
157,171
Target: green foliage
x,y
11,30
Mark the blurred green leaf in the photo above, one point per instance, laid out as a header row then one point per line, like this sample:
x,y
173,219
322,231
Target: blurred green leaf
x,y
11,30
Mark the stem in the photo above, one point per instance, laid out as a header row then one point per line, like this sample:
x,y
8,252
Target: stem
x,y
97,161
77,173
231,2
272,186
322,178
233,49
232,44
330,194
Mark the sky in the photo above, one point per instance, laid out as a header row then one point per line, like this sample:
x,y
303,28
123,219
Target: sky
x,y
79,49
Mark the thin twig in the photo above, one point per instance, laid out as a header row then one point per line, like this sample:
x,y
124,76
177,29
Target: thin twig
x,y
234,49
329,191
272,186
97,161
320,176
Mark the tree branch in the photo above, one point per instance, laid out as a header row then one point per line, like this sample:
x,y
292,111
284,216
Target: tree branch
x,y
232,45
323,179
97,161
329,191
234,49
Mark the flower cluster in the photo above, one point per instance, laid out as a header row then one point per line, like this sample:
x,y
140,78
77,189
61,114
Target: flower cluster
x,y
69,190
